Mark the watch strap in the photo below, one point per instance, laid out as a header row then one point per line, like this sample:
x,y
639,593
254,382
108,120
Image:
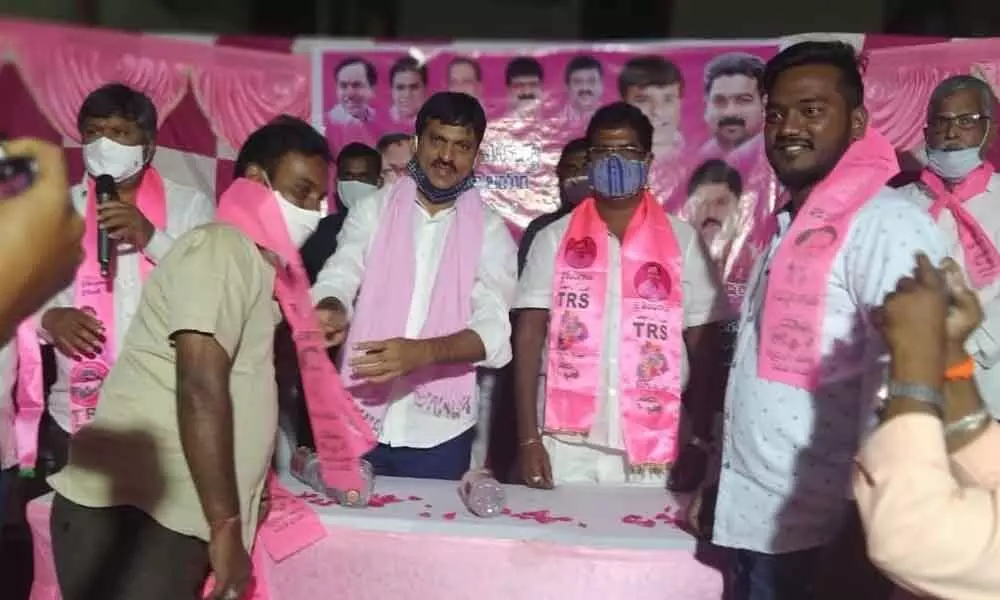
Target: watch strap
x,y
918,391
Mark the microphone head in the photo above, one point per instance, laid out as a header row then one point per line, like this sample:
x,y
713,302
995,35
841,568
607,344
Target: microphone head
x,y
105,185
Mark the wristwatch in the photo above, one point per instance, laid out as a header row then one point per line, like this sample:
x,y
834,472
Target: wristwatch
x,y
919,392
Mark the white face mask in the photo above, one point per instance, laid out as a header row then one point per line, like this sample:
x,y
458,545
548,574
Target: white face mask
x,y
301,223
955,165
350,192
107,157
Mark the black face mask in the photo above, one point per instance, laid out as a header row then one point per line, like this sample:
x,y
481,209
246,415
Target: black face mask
x,y
574,190
436,195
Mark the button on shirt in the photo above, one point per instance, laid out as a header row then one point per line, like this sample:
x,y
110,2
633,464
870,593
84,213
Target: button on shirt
x,y
405,423
186,208
984,344
704,302
787,452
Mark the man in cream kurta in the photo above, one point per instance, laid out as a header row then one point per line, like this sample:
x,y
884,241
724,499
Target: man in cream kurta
x,y
600,456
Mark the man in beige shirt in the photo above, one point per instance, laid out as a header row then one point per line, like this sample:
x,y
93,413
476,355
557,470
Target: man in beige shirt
x,y
927,481
167,480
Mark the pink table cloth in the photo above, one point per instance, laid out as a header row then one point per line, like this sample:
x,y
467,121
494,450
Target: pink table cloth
x,y
417,541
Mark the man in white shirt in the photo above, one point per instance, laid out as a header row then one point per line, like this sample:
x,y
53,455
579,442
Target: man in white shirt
x,y
959,133
788,449
436,270
118,128
620,131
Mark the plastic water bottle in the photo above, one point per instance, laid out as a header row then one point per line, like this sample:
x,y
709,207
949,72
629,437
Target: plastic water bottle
x,y
359,498
482,494
305,467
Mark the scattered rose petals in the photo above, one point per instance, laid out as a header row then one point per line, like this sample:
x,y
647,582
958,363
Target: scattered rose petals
x,y
539,516
505,511
414,498
638,520
449,516
378,501
425,515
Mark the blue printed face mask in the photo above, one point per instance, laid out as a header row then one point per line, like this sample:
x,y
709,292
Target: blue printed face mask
x,y
613,176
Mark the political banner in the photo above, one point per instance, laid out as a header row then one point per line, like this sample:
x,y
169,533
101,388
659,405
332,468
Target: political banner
x,y
701,98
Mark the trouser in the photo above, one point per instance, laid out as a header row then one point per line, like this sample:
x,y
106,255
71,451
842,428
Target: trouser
x,y
121,553
758,576
838,571
448,461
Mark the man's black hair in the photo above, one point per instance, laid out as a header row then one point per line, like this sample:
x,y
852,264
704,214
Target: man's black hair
x,y
524,66
839,55
619,115
583,62
408,64
362,151
716,171
119,100
644,71
370,73
391,139
453,108
733,63
283,135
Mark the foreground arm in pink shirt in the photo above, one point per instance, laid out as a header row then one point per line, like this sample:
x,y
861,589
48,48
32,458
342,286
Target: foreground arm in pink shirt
x,y
933,530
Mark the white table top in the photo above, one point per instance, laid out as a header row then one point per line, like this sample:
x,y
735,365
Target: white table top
x,y
592,515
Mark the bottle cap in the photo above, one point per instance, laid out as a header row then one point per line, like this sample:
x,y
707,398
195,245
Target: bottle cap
x,y
352,497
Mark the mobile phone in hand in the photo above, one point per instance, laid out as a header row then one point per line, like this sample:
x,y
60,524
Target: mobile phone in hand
x,y
17,174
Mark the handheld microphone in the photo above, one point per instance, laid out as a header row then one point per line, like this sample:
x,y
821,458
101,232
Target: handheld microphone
x,y
106,191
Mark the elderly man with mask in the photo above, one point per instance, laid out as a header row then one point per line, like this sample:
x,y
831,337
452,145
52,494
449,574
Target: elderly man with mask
x,y
961,191
425,274
573,188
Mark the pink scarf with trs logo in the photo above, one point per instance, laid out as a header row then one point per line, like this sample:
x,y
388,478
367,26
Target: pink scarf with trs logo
x,y
651,330
94,293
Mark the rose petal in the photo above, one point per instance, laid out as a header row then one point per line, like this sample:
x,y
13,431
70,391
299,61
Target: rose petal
x,y
449,516
414,498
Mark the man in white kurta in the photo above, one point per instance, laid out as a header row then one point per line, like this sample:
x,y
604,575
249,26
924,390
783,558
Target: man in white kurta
x,y
959,133
118,128
414,441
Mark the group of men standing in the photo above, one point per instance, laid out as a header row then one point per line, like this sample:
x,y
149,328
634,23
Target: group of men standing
x,y
615,340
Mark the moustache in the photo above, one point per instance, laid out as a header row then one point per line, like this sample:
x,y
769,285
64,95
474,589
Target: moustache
x,y
526,97
711,221
440,164
732,121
